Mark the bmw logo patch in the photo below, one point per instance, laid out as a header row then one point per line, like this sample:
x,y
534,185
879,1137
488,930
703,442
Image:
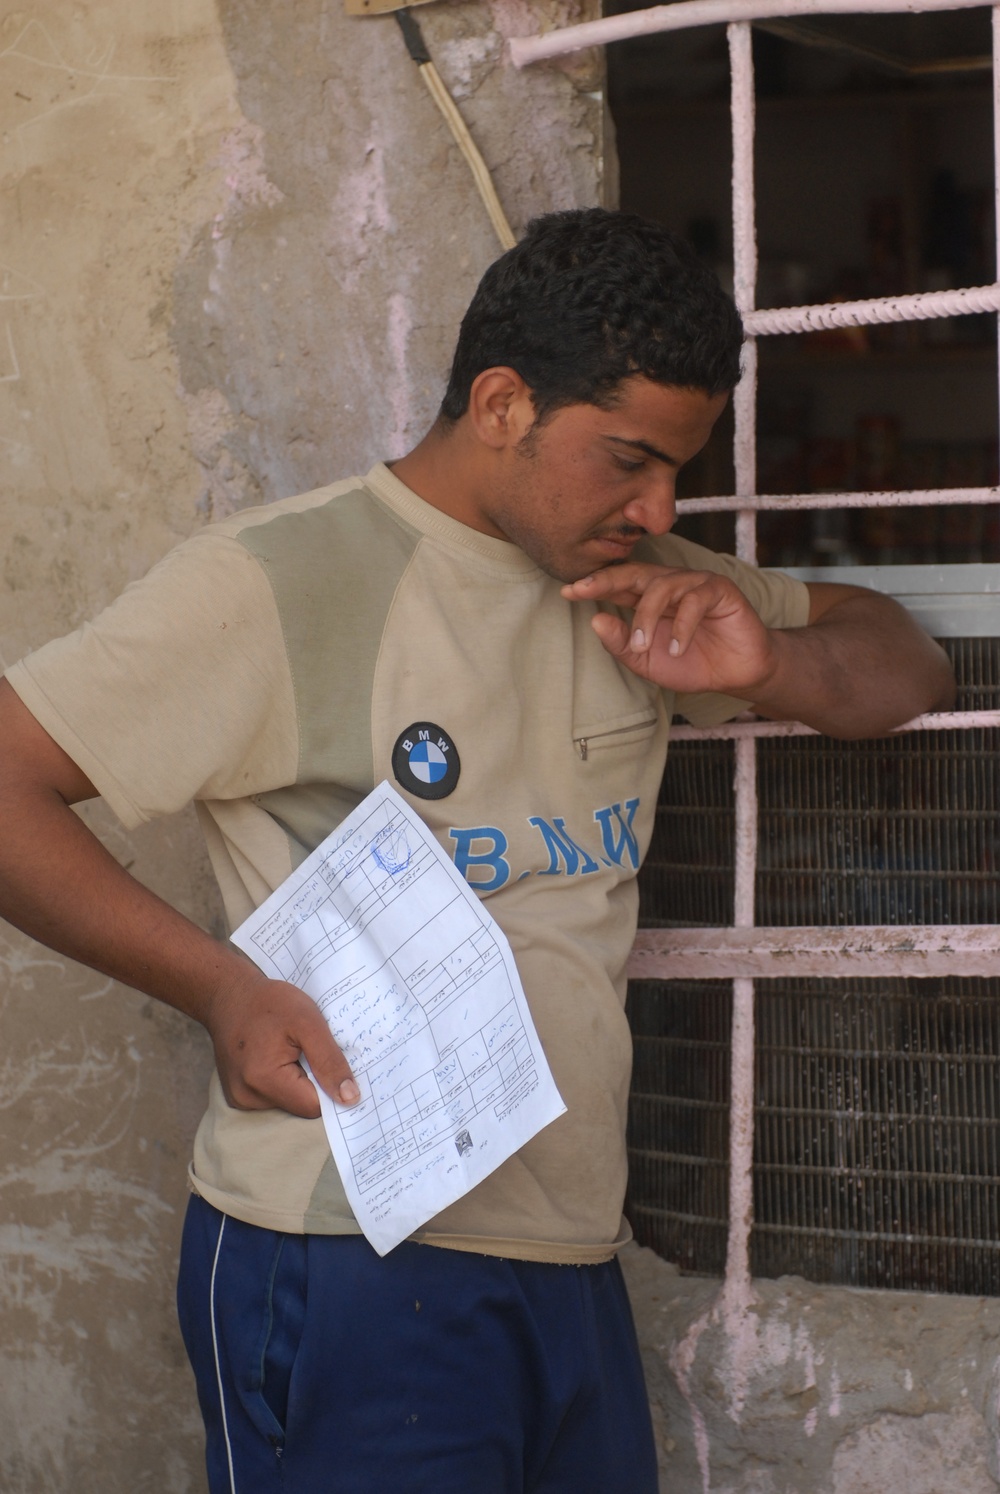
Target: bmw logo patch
x,y
425,761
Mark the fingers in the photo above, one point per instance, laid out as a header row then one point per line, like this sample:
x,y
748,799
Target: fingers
x,y
277,1087
613,633
675,602
602,588
682,603
690,631
660,594
621,584
630,575
329,1066
260,1034
619,640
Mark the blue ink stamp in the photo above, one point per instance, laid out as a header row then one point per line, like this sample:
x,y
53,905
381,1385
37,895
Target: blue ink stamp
x,y
391,850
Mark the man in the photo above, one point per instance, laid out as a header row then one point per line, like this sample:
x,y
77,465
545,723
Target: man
x,y
509,594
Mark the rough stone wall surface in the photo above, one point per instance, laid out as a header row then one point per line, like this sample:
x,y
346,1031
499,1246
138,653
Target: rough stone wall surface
x,y
817,1390
235,242
343,190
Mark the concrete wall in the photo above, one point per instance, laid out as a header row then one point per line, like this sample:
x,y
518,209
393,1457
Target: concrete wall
x,y
235,243
791,1388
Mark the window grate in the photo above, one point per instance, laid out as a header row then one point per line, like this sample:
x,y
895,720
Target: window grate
x,y
877,1130
900,830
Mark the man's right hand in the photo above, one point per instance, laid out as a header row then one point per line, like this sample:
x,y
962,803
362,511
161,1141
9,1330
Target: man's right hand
x,y
261,1029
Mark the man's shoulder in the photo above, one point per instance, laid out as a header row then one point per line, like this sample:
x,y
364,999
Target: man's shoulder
x,y
334,527
317,507
330,560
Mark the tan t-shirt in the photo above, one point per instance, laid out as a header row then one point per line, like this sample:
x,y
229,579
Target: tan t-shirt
x,y
267,669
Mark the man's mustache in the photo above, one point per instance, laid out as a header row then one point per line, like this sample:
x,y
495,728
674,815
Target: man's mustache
x,y
623,532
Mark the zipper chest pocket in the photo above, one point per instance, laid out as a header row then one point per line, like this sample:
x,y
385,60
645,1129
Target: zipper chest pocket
x,y
599,738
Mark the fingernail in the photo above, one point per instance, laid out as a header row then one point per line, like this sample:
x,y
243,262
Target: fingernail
x,y
675,647
349,1093
638,639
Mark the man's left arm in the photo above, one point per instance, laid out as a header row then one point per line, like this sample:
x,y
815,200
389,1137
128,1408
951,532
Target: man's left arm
x,y
860,667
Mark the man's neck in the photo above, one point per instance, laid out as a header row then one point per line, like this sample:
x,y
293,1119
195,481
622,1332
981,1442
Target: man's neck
x,y
446,471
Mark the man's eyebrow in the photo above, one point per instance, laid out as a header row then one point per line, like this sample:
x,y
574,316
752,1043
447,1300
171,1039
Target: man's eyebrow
x,y
648,448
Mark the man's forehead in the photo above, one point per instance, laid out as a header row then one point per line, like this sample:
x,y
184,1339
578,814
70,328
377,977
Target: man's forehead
x,y
638,404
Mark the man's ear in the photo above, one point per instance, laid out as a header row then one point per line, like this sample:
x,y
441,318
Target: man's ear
x,y
501,410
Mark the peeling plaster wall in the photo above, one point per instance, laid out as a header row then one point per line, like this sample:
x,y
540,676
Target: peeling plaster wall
x,y
817,1390
316,312
235,243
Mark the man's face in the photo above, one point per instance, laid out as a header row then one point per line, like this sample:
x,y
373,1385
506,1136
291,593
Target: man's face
x,y
579,492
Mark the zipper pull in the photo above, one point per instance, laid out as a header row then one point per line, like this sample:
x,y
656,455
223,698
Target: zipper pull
x,y
582,744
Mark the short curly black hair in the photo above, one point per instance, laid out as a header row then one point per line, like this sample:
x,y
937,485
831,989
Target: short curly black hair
x,y
589,298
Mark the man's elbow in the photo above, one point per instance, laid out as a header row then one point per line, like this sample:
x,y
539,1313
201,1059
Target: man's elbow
x,y
939,687
920,678
929,688
922,683
948,692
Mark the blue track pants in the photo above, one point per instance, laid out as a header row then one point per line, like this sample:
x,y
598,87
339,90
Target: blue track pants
x,y
323,1369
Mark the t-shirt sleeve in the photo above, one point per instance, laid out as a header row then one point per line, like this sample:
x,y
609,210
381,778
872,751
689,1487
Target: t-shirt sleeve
x,y
180,690
779,600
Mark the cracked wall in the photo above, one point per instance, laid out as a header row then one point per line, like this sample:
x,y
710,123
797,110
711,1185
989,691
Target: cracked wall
x,y
316,311
235,244
804,1389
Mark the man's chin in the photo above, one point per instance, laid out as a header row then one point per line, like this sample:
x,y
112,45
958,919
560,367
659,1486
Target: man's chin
x,y
586,557
568,573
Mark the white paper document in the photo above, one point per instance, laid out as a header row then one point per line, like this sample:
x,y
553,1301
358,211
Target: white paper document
x,y
420,989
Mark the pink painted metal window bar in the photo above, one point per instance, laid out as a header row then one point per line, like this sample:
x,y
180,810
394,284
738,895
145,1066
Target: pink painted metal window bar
x,y
744,952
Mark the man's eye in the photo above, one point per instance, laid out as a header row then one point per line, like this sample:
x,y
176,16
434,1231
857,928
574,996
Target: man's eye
x,y
626,464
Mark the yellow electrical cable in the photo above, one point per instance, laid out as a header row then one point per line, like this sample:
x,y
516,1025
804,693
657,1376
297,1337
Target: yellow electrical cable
x,y
469,149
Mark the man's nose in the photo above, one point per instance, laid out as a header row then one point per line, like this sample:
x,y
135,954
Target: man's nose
x,y
655,509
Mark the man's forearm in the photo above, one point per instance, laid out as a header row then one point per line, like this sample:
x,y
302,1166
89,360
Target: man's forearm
x,y
61,886
861,668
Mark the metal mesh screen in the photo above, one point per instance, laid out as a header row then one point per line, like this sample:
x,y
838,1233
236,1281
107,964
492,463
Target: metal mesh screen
x,y
679,1119
877,1153
687,877
900,830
